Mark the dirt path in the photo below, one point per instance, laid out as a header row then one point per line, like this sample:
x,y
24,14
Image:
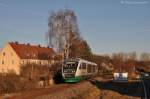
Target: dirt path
x,y
43,91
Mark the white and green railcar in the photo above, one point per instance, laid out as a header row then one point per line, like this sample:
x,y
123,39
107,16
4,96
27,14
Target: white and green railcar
x,y
74,70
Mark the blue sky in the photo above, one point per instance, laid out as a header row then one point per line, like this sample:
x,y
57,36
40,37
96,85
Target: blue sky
x,y
107,25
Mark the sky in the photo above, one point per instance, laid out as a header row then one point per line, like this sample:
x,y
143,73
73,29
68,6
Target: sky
x,y
109,26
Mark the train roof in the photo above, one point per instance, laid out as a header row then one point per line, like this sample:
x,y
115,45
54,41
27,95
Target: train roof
x,y
80,59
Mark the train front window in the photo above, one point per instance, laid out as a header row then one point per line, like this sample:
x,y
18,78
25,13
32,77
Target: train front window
x,y
70,67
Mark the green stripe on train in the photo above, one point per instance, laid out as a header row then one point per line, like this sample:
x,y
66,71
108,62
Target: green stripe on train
x,y
76,79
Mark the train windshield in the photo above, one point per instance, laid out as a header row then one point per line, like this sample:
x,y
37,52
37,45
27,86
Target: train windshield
x,y
70,67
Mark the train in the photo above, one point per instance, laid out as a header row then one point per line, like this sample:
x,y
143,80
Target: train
x,y
75,70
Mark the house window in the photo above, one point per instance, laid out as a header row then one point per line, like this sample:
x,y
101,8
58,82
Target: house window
x,y
2,70
2,62
3,53
22,62
11,54
12,61
40,62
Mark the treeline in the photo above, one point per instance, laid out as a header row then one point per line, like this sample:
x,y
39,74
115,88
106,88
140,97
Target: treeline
x,y
128,62
131,56
131,61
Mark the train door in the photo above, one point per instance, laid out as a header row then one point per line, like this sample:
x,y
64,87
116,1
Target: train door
x,y
82,68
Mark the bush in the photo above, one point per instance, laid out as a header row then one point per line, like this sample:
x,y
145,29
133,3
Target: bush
x,y
7,84
11,83
58,77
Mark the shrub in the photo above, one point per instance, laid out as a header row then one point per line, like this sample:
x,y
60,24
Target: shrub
x,y
10,83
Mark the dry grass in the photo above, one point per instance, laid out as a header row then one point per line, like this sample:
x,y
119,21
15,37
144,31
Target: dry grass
x,y
82,90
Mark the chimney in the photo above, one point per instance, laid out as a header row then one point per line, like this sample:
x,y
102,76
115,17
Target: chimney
x,y
28,44
16,42
39,45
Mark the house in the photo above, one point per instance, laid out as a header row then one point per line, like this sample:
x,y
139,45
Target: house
x,y
15,55
121,76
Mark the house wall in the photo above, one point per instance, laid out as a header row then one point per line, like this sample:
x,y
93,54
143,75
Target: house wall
x,y
36,61
9,60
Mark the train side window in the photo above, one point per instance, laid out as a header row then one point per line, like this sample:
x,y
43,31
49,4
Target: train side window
x,y
80,66
83,66
89,68
94,67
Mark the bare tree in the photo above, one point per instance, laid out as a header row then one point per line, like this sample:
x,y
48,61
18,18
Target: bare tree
x,y
132,56
118,56
61,24
145,57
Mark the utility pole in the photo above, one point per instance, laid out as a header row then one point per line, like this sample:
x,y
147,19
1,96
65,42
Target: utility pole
x,y
69,43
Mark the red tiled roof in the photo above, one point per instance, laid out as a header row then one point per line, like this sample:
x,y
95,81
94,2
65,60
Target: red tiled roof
x,y
27,51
